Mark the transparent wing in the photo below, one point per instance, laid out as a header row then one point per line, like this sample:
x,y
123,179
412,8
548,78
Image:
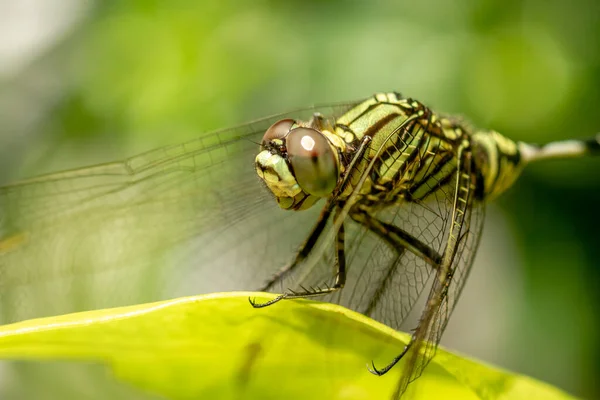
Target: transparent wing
x,y
465,253
463,238
184,219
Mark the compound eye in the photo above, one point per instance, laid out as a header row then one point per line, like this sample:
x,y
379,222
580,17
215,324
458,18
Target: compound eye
x,y
313,161
278,130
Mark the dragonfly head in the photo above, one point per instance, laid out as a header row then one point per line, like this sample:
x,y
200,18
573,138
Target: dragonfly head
x,y
299,163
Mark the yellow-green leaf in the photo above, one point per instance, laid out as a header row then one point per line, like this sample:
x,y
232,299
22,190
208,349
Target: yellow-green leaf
x,y
218,346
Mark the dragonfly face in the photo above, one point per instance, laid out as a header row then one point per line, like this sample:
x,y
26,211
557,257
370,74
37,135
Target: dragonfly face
x,y
299,162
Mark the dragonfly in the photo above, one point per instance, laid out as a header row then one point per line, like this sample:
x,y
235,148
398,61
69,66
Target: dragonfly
x,y
402,193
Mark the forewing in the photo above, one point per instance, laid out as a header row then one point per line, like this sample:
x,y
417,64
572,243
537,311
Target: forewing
x,y
180,220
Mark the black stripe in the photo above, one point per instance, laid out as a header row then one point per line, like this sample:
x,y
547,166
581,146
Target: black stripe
x,y
479,186
374,128
440,183
407,111
387,155
410,110
431,256
499,156
368,110
409,160
446,157
345,128
425,139
399,239
516,158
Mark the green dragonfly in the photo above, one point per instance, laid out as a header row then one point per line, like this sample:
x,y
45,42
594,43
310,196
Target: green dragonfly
x,y
403,191
417,181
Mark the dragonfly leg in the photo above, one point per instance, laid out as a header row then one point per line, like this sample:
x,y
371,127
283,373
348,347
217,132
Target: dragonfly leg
x,y
375,371
340,277
398,238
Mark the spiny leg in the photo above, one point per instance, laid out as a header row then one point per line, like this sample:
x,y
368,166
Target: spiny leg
x,y
373,369
340,277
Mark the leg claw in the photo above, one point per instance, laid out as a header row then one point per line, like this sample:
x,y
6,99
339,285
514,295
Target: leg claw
x,y
374,370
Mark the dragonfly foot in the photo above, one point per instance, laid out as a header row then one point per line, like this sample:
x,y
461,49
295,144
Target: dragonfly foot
x,y
254,304
384,370
374,369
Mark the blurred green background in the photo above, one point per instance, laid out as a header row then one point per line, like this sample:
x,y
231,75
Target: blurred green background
x,y
86,82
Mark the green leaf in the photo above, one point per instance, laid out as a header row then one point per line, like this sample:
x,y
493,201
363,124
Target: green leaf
x,y
218,346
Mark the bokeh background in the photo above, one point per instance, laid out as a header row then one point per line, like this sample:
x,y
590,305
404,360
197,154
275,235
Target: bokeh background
x,y
86,82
